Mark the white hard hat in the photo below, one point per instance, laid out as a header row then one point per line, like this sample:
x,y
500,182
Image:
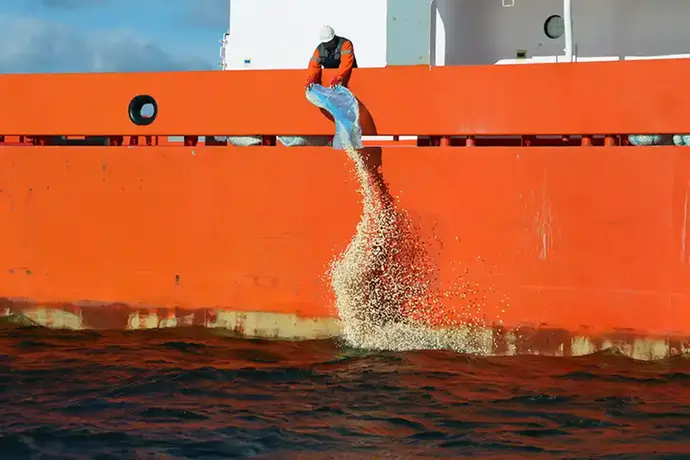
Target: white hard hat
x,y
326,34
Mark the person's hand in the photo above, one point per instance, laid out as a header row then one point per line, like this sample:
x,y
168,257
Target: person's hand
x,y
336,82
309,85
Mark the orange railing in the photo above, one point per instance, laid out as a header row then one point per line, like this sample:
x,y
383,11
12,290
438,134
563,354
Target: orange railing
x,y
547,104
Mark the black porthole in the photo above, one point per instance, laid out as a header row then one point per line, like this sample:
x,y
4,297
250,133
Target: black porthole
x,y
143,110
554,26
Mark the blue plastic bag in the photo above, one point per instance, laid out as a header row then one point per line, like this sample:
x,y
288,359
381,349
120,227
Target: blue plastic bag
x,y
681,139
344,107
650,139
657,139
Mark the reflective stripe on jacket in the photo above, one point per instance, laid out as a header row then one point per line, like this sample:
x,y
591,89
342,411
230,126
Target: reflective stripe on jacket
x,y
342,57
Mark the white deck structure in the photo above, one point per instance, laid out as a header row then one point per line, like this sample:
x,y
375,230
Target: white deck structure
x,y
282,34
279,34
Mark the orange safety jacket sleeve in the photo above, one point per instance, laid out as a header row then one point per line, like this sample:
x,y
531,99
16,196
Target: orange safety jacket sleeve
x,y
314,68
347,60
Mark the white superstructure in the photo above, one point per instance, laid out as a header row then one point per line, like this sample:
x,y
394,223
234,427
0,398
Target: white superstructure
x,y
280,34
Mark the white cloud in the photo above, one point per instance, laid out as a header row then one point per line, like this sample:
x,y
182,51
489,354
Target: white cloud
x,y
33,45
198,13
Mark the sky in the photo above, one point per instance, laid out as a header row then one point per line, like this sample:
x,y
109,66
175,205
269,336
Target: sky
x,y
39,36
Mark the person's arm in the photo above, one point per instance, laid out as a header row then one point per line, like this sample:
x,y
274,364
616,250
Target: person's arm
x,y
347,62
314,69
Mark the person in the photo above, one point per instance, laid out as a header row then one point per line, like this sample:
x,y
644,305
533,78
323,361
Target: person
x,y
333,52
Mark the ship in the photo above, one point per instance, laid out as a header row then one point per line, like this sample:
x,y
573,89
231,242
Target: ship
x,y
539,147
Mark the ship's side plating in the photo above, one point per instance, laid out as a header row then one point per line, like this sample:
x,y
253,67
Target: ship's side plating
x,y
571,247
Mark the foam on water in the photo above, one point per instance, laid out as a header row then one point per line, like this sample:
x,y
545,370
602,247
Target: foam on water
x,y
386,287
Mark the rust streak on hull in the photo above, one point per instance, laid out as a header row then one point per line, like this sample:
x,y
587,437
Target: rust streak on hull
x,y
500,341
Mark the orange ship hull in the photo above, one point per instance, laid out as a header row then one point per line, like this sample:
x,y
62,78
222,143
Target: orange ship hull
x,y
561,242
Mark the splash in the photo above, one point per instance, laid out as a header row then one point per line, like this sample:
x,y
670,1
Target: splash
x,y
386,287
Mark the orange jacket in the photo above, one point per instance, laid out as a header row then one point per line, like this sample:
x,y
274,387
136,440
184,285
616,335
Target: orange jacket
x,y
347,63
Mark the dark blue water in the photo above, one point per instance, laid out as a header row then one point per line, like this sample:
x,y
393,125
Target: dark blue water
x,y
189,394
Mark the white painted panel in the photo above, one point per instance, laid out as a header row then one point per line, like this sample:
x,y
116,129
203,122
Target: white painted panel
x,y
484,32
282,34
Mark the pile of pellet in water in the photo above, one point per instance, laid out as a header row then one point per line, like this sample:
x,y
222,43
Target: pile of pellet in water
x,y
385,286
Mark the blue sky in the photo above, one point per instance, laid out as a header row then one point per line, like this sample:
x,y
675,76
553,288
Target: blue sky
x,y
110,35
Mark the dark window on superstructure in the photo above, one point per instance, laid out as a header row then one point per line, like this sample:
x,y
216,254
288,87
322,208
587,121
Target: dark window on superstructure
x,y
554,26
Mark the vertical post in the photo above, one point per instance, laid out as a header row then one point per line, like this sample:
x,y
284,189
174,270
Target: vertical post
x,y
568,26
408,32
432,33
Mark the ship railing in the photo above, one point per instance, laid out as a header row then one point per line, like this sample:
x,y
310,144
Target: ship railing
x,y
552,59
590,104
621,140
